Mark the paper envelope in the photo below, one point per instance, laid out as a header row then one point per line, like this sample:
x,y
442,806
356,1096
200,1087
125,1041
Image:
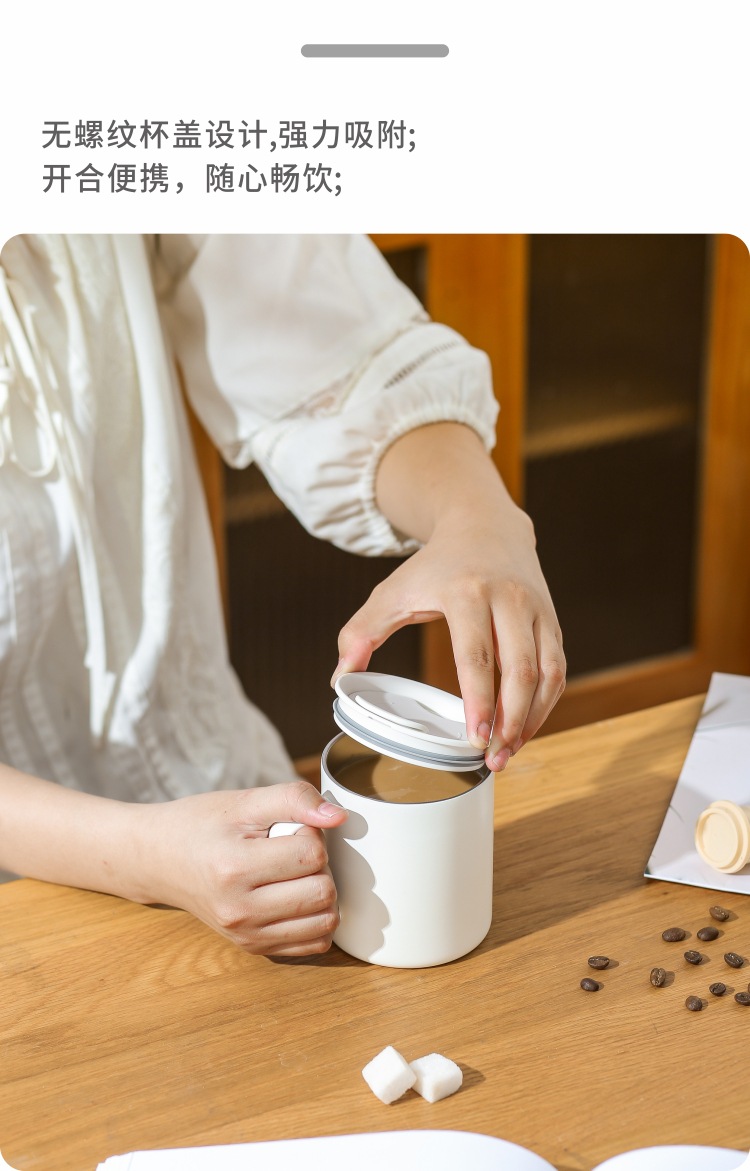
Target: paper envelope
x,y
716,768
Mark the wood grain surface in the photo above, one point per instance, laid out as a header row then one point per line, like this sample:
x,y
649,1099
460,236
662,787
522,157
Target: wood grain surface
x,y
125,1027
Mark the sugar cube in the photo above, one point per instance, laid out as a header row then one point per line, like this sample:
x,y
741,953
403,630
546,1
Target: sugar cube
x,y
389,1075
436,1076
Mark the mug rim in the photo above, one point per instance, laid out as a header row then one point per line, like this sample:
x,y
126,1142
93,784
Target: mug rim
x,y
404,804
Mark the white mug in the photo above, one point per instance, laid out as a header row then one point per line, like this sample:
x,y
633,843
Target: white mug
x,y
414,877
414,881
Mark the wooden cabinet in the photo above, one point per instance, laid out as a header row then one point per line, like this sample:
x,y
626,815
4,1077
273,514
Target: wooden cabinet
x,y
622,365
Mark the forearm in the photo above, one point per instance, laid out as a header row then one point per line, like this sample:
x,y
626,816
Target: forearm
x,y
76,839
439,472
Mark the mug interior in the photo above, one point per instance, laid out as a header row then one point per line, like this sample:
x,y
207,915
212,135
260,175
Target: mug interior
x,y
376,777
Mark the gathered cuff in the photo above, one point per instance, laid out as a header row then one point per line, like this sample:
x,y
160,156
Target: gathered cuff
x,y
323,461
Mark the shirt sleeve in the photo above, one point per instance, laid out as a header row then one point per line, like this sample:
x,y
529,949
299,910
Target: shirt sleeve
x,y
306,355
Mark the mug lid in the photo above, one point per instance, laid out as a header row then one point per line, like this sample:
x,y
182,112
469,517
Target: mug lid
x,y
722,836
407,720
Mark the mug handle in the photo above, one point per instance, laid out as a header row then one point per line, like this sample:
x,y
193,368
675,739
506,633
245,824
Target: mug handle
x,y
283,829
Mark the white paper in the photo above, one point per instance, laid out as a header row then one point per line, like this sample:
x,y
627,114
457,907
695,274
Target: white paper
x,y
440,1150
676,1159
716,768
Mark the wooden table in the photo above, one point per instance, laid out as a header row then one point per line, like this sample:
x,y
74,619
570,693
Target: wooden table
x,y
126,1027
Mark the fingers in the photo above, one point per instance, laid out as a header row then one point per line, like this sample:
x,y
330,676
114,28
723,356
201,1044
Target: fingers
x,y
386,610
307,936
550,686
519,678
264,894
296,917
494,615
276,908
523,636
311,947
532,680
470,628
527,647
278,860
298,801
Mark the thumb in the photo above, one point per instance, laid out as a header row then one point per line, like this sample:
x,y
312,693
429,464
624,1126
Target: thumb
x,y
296,802
369,628
355,648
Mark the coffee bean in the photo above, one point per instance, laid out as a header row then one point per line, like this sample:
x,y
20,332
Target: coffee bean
x,y
742,997
694,1003
717,989
673,935
733,959
657,977
718,913
693,957
589,985
707,933
598,962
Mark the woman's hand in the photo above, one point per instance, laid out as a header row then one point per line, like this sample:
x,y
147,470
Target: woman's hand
x,y
209,854
479,569
271,896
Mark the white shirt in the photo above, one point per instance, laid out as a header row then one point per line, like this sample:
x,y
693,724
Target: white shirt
x,y
302,353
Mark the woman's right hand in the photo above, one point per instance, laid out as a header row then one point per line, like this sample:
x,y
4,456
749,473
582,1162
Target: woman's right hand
x,y
211,855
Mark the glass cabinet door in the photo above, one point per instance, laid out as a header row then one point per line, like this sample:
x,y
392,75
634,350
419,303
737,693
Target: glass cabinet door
x,y
616,340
